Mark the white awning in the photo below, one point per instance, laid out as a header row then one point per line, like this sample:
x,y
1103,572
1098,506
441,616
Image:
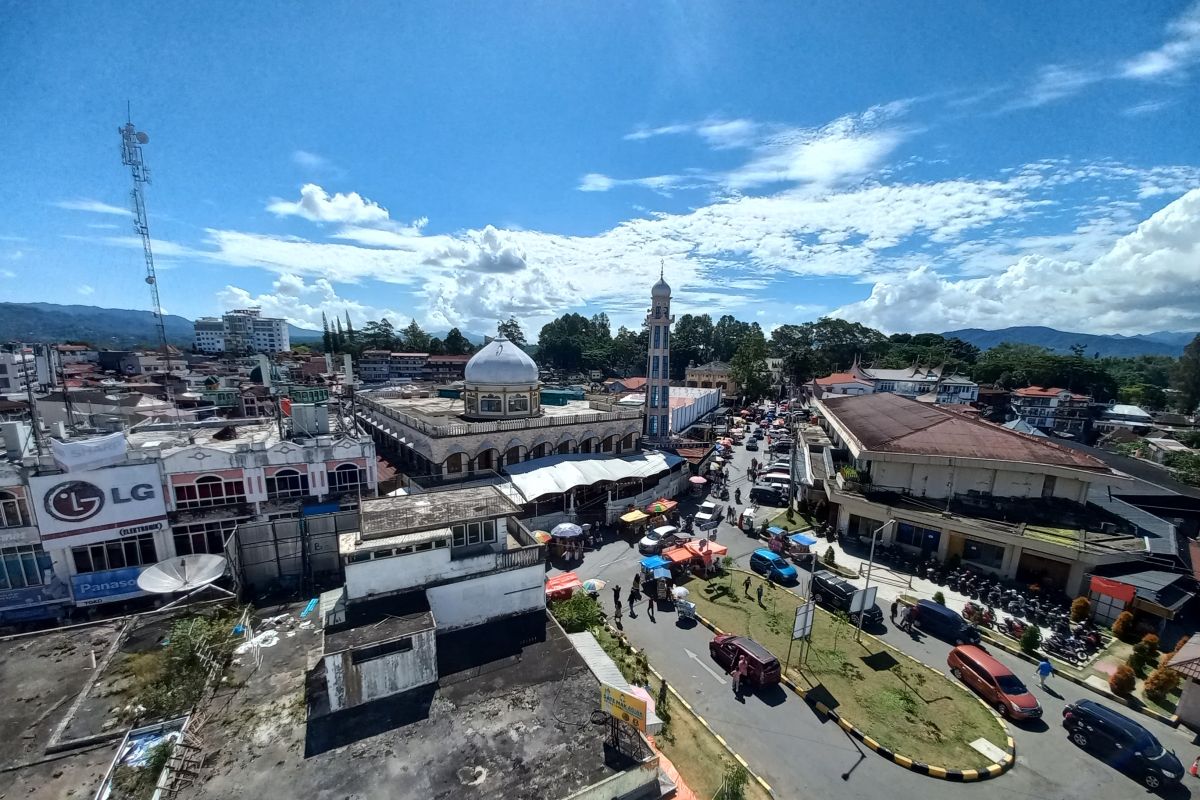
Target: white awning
x,y
558,474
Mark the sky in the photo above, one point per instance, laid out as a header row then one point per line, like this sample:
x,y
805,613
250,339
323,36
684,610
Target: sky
x,y
915,166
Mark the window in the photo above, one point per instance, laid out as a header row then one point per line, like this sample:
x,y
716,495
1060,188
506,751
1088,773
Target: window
x,y
663,424
209,491
518,403
14,512
985,553
654,367
490,404
653,423
657,312
287,483
657,336
133,551
203,537
666,336
347,478
484,460
665,390
380,650
654,397
916,536
23,566
1048,486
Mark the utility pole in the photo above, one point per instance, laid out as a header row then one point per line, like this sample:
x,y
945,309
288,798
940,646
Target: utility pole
x,y
862,612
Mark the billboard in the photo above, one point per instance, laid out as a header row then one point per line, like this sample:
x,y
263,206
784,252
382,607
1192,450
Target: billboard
x,y
804,621
89,507
628,708
95,588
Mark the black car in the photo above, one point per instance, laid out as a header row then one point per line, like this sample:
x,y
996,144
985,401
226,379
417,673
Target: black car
x,y
836,593
942,622
767,496
1122,742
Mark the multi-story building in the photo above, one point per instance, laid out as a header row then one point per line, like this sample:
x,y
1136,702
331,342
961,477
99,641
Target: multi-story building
x,y
1053,410
658,363
381,366
445,369
1002,501
945,387
241,332
713,375
18,370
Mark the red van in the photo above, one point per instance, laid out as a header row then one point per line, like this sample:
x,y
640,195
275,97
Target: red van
x,y
993,681
726,649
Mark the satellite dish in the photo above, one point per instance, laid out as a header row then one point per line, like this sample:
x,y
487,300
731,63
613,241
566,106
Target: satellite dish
x,y
142,138
182,574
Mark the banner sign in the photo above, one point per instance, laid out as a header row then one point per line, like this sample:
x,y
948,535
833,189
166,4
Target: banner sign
x,y
628,708
94,506
804,621
105,587
90,453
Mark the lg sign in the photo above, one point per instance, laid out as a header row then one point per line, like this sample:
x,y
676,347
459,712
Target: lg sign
x,y
78,501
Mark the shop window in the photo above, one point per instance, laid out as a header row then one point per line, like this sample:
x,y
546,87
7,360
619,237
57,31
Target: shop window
x,y
983,553
204,537
916,536
24,566
134,551
14,511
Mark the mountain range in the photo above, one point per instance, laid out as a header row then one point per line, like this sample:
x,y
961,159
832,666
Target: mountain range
x,y
116,328
1161,343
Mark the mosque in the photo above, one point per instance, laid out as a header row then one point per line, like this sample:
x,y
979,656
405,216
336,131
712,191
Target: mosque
x,y
561,454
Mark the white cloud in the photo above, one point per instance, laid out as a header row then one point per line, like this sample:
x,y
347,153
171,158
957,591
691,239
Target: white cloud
x,y
1055,82
102,226
93,206
665,130
311,161
1146,280
595,182
7,273
1148,107
85,290
1180,50
316,205
301,303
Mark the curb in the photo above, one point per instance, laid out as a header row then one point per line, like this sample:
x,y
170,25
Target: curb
x,y
620,636
921,768
1172,720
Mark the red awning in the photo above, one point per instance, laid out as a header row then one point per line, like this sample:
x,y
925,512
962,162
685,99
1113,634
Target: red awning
x,y
1113,588
678,555
707,550
566,583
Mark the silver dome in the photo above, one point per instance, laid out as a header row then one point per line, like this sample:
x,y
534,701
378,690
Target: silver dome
x,y
661,289
500,363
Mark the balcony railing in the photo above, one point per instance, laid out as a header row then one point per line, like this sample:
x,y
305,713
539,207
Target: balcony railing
x,y
471,428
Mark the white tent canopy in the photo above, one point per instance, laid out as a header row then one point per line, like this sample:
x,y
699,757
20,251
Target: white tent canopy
x,y
559,474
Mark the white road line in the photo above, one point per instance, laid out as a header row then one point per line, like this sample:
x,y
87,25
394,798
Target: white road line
x,y
720,678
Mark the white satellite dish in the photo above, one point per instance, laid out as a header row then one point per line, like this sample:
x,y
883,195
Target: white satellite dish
x,y
189,574
142,137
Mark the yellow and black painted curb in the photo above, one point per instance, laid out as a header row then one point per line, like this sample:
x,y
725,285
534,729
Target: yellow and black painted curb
x,y
699,717
911,764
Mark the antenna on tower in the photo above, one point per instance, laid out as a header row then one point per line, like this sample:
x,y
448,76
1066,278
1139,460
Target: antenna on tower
x,y
662,268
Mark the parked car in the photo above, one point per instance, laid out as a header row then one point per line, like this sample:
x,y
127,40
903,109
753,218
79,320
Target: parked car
x,y
767,496
781,463
707,512
726,649
758,434
781,447
773,565
657,539
1122,742
836,593
944,623
752,444
994,682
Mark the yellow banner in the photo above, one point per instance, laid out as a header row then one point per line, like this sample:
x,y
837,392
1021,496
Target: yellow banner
x,y
624,706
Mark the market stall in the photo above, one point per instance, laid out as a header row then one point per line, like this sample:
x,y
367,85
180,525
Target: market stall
x,y
634,523
560,587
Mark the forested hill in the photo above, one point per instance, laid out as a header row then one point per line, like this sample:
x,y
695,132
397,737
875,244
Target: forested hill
x,y
1165,343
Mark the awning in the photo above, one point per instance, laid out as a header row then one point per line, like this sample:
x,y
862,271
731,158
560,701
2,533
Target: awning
x,y
775,530
635,516
562,473
661,506
661,573
707,550
677,555
654,562
803,538
566,582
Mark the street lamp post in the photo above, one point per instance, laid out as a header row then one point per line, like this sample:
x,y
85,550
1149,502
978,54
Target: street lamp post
x,y
870,564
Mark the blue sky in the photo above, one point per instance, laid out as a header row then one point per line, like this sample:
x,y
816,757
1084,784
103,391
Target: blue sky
x,y
914,166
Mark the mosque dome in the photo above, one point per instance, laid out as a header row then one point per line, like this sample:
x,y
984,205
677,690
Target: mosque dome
x,y
500,363
661,289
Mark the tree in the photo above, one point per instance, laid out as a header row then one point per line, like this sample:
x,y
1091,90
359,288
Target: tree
x,y
1081,609
1185,467
691,343
1144,395
1123,626
351,339
1185,378
628,353
326,337
415,339
339,341
436,347
733,783
1031,639
1122,681
749,365
727,337
379,335
456,344
512,331
1160,683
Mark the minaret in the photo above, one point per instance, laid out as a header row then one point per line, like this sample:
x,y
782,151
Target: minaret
x,y
657,425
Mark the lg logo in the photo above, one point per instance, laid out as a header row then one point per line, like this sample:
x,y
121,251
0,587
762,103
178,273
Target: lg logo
x,y
77,501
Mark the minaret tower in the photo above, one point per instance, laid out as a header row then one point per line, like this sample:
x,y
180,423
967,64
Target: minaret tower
x,y
657,425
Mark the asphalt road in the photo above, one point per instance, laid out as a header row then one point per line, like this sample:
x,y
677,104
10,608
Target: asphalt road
x,y
803,756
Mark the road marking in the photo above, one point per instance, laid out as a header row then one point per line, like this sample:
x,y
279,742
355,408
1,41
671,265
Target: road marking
x,y
720,678
988,749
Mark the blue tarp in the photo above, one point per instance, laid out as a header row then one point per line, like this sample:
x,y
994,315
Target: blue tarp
x,y
661,573
654,562
802,538
776,531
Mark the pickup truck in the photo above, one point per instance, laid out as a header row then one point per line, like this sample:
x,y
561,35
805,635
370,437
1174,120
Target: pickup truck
x,y
707,512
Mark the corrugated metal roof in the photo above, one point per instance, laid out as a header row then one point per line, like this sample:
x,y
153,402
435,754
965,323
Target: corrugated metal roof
x,y
606,671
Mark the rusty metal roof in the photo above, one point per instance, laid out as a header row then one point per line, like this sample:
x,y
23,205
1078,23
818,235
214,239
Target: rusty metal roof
x,y
889,423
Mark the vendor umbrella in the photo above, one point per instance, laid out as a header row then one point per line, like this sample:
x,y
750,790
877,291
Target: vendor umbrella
x,y
542,537
728,442
679,592
594,585
566,530
661,506
697,480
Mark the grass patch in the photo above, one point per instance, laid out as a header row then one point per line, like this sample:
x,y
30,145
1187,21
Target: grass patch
x,y
798,521
698,756
904,706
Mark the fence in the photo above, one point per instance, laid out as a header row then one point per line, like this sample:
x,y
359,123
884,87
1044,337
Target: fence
x,y
289,554
470,428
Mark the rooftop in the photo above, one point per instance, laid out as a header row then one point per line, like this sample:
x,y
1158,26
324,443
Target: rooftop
x,y
889,423
1042,391
440,416
840,377
1170,445
381,620
213,434
391,516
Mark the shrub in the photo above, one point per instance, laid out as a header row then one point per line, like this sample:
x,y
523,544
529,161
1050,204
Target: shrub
x,y
1031,639
733,783
1123,627
1161,682
578,612
939,598
1122,681
1150,640
1081,609
828,559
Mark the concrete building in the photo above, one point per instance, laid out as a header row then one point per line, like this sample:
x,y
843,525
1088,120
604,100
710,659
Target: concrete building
x,y
1120,415
242,332
713,375
445,369
1053,410
1004,502
944,387
381,366
18,370
658,363
841,383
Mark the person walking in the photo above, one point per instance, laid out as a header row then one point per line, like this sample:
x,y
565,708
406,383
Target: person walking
x,y
746,586
759,593
1044,670
743,669
650,608
617,596
895,608
635,595
903,623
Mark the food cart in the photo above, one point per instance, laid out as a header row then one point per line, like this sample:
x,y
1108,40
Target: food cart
x,y
656,577
801,549
634,523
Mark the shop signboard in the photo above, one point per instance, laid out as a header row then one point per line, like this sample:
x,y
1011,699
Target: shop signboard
x,y
628,708
29,603
99,505
109,586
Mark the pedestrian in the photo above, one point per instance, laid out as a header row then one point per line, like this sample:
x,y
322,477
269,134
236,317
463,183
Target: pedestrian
x,y
617,614
903,623
895,607
650,608
729,515
617,595
743,669
746,586
758,591
634,596
1044,670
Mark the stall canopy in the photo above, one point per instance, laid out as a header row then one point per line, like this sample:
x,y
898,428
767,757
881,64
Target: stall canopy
x,y
654,562
677,555
707,550
566,582
774,530
562,473
635,516
661,506
803,538
661,573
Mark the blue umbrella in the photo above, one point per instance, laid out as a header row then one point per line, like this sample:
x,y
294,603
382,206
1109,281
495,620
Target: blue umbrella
x,y
662,573
654,562
567,530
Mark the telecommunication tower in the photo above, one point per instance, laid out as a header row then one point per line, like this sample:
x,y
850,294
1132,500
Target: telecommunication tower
x,y
131,155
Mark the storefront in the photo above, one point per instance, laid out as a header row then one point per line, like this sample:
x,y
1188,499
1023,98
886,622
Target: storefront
x,y
924,539
1046,572
982,553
